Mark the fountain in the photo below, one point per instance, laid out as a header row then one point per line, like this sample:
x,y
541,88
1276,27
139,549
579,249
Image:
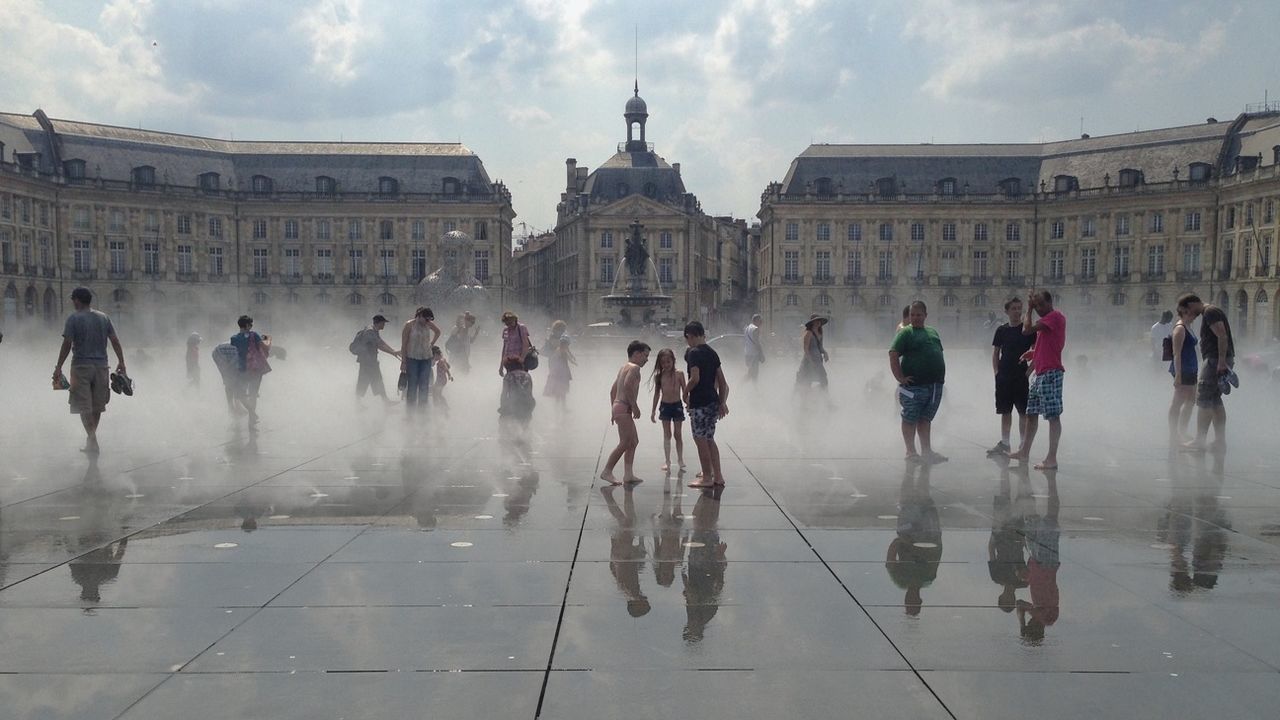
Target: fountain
x,y
453,287
637,296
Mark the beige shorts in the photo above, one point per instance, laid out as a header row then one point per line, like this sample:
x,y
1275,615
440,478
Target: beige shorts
x,y
90,389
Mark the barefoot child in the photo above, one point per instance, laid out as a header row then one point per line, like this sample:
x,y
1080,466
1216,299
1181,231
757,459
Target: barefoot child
x,y
624,402
668,389
443,377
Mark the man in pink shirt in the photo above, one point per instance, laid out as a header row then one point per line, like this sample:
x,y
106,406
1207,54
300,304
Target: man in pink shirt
x,y
1045,394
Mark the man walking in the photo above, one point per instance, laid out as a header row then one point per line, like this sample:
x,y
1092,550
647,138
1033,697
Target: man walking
x,y
707,396
915,359
1044,397
366,345
752,350
84,337
1218,350
1007,348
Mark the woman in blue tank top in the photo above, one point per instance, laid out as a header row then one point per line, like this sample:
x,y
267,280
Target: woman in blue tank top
x,y
1184,367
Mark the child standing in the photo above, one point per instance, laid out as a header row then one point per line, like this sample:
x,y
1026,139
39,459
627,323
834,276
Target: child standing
x,y
443,377
668,389
558,374
624,409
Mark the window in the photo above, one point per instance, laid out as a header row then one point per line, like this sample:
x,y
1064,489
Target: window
x,y
1011,187
355,230
948,300
450,225
1057,230
791,266
1130,178
948,232
326,185
1231,217
151,221
980,232
1155,260
606,240
292,262
666,270
290,229
144,176
1248,214
664,240
884,301
1088,227
947,186
26,250
183,224
46,257
419,230
949,266
1119,298
186,259
44,214
451,186
1200,172
25,205
1122,225
79,217
1057,264
6,207
388,186
823,300
1191,257
1268,212
1264,253
1088,262
118,262
387,263
980,301
854,232
151,258
216,267
853,265
1156,224
355,263
1248,255
824,232
482,265
215,227
209,182
259,229
1191,221
261,185
116,222
386,230
823,187
886,187
884,268
1012,263
324,264
324,230
261,261
917,264
1120,262
980,269
1013,231
793,300
73,170
1065,183
355,298
81,256
822,265
606,270
419,261
917,232
886,232
793,232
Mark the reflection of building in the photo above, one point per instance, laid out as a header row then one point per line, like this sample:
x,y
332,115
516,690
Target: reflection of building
x,y
190,228
569,275
1115,226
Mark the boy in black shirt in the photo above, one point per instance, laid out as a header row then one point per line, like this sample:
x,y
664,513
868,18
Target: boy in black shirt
x,y
707,396
1007,349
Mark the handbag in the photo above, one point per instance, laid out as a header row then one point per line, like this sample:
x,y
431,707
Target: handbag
x,y
1166,349
255,360
531,357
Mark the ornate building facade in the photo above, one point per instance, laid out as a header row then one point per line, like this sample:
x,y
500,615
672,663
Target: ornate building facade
x,y
174,232
1116,227
697,259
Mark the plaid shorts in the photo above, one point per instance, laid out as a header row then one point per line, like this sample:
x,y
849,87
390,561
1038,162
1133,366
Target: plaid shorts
x,y
919,402
1045,395
702,420
1209,390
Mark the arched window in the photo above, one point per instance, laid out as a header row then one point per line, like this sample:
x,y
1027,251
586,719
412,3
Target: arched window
x,y
948,300
325,185
1118,298
120,295
1130,178
387,298
1152,298
323,298
947,186
621,190
885,301
355,299
822,301
210,181
980,301
260,297
857,301
1261,298
650,190
261,185
144,176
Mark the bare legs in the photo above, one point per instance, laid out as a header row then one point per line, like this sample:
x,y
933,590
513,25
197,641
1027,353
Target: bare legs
x,y
709,457
667,432
1006,426
90,421
628,440
923,429
1184,399
1050,461
1215,416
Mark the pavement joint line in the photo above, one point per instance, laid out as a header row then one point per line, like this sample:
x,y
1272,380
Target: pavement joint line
x,y
842,584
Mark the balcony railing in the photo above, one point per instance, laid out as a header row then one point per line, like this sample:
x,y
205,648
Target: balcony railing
x,y
855,279
1262,272
10,268
1189,276
791,280
980,280
824,280
322,278
884,279
1088,279
948,280
1015,280
1118,277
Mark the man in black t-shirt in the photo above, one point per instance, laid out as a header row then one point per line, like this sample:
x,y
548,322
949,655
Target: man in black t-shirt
x,y
1218,350
707,396
1007,348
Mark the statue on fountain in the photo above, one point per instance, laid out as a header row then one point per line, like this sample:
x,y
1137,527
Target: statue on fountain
x,y
453,287
636,255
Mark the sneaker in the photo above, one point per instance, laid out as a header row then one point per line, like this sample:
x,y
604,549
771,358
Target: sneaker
x,y
126,384
117,384
1224,385
1233,378
1001,448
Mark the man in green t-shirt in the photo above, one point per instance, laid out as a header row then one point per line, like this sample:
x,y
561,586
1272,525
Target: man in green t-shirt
x,y
915,358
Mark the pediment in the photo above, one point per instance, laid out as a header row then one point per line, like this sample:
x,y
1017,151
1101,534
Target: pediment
x,y
637,206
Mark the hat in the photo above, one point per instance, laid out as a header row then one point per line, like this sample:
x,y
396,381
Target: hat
x,y
82,294
816,318
379,318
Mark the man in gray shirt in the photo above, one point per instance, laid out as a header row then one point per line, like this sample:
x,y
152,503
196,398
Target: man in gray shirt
x,y
85,337
366,346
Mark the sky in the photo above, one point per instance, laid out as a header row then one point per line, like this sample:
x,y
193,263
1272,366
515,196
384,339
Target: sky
x,y
735,88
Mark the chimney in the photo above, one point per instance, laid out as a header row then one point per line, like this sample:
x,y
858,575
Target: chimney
x,y
571,175
676,167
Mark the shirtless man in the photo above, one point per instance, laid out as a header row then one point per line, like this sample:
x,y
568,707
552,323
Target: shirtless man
x,y
625,407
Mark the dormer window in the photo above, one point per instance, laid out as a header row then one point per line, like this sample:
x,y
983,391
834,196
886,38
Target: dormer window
x,y
27,161
261,185
144,176
388,186
1130,178
210,181
887,187
947,186
73,170
1010,187
1200,172
325,185
823,187
1065,183
450,186
1275,154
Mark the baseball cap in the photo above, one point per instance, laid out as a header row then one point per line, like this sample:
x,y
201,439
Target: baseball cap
x,y
379,318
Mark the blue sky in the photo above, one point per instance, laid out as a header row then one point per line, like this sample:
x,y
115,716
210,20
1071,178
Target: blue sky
x,y
736,89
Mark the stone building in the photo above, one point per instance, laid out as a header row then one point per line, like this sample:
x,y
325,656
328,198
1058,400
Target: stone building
x,y
175,232
568,275
1116,227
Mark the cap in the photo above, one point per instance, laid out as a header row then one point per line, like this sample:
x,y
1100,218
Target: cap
x,y
379,318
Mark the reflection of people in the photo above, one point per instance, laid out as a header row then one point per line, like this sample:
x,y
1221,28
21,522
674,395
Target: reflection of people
x,y
193,359
84,337
668,551
1042,535
704,573
1194,520
1005,560
626,551
460,338
97,567
913,556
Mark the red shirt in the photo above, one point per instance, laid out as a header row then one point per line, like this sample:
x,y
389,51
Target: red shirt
x,y
1043,582
1047,354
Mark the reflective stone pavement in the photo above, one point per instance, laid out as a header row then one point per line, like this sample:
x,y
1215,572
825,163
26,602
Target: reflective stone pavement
x,y
410,572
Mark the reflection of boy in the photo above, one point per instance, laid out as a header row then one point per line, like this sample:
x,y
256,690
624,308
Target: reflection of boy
x,y
1005,561
913,557
1042,571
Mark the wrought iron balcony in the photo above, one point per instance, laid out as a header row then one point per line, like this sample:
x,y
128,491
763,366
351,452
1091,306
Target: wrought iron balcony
x,y
855,279
980,280
1189,276
1015,280
884,280
824,280
949,280
1118,277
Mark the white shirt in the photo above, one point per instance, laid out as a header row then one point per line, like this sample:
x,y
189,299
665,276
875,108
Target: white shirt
x,y
1159,332
751,341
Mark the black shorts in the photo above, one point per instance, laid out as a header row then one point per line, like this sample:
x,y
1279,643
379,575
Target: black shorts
x,y
1188,378
673,412
1011,392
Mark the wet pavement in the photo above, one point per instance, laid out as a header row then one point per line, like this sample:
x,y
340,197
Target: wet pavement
x,y
431,574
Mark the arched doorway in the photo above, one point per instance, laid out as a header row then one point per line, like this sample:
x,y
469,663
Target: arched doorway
x,y
10,304
30,303
50,306
1241,326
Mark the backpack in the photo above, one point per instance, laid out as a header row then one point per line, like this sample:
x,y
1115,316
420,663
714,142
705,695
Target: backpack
x,y
358,344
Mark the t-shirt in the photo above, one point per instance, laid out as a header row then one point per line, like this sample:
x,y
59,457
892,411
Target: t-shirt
x,y
367,343
1159,332
1209,339
920,351
88,331
513,341
708,362
751,341
1043,580
1013,344
1049,343
241,342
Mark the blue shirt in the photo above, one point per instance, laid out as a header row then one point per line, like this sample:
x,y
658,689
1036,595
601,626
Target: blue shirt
x,y
241,342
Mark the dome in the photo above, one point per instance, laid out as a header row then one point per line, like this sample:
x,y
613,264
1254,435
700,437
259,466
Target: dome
x,y
637,106
455,237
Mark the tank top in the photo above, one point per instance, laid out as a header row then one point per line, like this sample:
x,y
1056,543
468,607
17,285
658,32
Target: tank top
x,y
1190,361
419,341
